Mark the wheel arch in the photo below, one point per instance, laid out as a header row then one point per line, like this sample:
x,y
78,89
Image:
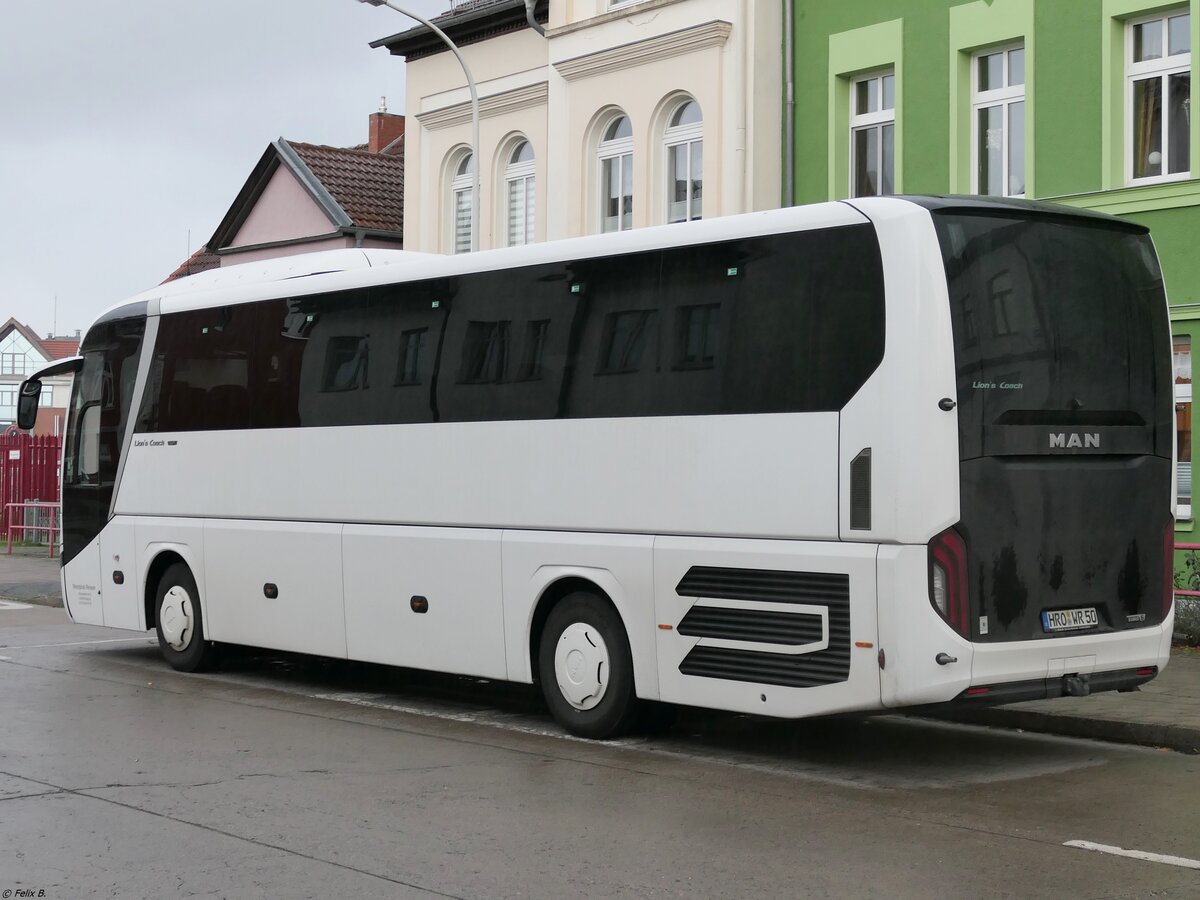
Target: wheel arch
x,y
162,557
551,596
559,582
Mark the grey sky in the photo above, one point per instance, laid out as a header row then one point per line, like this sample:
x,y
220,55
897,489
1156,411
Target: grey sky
x,y
125,124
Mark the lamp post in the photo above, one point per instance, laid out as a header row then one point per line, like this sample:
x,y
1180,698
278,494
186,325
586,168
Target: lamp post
x,y
474,108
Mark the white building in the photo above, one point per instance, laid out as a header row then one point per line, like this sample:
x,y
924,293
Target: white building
x,y
21,354
625,114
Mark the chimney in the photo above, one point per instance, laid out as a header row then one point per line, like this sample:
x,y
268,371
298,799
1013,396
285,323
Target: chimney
x,y
385,127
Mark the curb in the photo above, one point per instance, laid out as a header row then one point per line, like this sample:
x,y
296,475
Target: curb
x,y
36,598
1180,738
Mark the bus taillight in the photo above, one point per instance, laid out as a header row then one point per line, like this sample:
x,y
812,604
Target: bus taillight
x,y
948,579
1168,568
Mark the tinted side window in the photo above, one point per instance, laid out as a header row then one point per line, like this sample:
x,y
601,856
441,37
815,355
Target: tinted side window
x,y
783,323
200,373
347,363
485,353
617,344
807,327
413,351
506,349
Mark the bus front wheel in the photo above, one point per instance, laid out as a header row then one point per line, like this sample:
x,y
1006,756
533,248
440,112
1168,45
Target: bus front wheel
x,y
586,667
179,622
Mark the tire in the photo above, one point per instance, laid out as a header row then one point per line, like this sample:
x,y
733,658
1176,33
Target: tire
x,y
656,718
179,622
586,667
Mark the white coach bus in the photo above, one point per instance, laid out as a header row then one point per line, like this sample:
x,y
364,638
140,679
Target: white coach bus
x,y
852,456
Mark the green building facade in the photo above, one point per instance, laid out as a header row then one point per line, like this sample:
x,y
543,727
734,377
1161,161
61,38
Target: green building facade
x,y
1082,102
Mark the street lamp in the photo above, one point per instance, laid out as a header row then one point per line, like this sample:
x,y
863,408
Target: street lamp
x,y
474,108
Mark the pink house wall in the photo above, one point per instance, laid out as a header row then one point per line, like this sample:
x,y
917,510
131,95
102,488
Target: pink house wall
x,y
284,211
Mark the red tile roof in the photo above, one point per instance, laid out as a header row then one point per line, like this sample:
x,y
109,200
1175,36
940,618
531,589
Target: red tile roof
x,y
368,186
61,348
51,348
200,261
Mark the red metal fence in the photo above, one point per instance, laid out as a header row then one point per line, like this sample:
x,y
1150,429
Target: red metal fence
x,y
29,468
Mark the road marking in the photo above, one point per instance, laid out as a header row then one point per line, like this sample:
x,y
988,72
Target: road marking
x,y
1136,854
82,643
482,718
13,604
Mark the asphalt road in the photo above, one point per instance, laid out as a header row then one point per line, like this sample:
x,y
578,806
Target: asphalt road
x,y
289,777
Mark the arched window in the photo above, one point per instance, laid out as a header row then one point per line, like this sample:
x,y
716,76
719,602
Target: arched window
x,y
460,203
615,155
521,194
684,142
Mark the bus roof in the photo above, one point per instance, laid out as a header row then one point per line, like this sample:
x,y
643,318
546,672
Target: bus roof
x,y
1008,206
332,270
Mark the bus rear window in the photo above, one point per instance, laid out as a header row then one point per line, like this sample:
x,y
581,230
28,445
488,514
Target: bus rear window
x,y
1057,321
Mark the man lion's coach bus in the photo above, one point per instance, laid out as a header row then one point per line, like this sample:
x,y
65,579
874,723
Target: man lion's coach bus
x,y
852,456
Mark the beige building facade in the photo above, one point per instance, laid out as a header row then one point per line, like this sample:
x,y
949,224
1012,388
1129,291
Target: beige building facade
x,y
622,115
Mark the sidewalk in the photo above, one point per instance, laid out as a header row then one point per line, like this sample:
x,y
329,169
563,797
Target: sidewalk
x,y
29,576
1164,713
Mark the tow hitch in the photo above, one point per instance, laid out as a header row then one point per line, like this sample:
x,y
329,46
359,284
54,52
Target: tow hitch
x,y
1076,685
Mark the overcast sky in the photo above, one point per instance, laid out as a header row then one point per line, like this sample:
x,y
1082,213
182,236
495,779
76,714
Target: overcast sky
x,y
126,125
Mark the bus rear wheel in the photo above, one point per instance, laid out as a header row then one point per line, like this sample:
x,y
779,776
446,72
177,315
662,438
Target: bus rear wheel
x,y
179,622
586,667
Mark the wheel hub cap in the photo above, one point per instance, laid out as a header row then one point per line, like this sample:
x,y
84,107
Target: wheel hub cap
x,y
175,616
581,666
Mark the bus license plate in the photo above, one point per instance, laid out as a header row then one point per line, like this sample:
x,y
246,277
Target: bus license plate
x,y
1069,619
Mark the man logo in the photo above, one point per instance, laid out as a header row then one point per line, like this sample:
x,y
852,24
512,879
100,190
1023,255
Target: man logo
x,y
1062,441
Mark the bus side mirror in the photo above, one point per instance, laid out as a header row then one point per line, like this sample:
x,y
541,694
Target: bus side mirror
x,y
27,403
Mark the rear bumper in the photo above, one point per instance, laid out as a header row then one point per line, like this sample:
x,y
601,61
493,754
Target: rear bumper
x,y
1074,685
1048,660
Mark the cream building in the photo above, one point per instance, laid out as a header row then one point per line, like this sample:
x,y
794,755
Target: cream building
x,y
624,114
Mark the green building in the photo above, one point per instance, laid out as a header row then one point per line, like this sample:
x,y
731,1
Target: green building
x,y
1083,102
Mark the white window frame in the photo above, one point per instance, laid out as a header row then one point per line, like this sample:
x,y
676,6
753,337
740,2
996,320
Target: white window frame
x,y
682,136
519,177
1183,395
1162,68
17,353
1003,97
461,189
620,151
875,119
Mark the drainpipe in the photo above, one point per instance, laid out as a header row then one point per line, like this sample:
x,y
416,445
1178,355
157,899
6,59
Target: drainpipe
x,y
531,20
789,104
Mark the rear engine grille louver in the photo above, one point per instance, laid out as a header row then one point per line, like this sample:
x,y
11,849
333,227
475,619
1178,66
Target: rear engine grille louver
x,y
828,666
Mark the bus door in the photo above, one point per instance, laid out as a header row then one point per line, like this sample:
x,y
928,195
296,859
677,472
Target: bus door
x,y
100,590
